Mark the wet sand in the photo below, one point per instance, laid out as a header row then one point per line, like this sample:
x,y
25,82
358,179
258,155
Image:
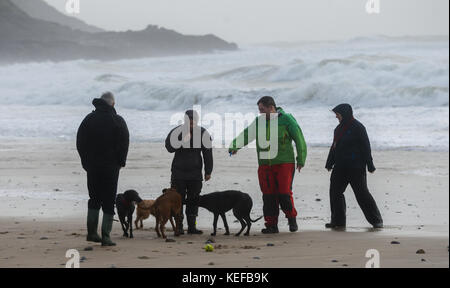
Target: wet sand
x,y
43,203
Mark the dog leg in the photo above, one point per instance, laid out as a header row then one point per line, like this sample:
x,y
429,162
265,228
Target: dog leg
x,y
127,227
171,223
243,226
249,225
162,227
157,227
130,223
174,226
142,224
136,222
224,219
124,228
216,217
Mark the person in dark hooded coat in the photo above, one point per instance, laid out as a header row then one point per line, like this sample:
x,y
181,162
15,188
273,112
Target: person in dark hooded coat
x,y
189,142
102,143
349,157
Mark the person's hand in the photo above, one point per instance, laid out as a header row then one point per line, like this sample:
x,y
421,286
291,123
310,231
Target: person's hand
x,y
233,152
207,177
299,167
329,169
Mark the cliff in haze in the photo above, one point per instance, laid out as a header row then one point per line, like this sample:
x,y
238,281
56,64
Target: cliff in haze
x,y
41,10
24,38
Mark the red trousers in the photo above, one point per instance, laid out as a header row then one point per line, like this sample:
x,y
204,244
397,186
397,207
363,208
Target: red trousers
x,y
276,185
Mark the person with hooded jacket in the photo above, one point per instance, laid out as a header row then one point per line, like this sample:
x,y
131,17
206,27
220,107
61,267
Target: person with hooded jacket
x,y
349,157
102,143
189,142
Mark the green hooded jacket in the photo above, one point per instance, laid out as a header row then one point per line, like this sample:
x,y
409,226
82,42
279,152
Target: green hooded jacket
x,y
288,131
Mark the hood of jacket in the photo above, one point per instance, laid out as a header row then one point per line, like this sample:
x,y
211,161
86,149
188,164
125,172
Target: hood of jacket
x,y
345,110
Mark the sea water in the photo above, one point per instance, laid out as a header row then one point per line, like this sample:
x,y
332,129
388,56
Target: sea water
x,y
399,88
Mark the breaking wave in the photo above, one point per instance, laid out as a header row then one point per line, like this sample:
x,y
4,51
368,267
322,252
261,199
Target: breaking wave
x,y
363,72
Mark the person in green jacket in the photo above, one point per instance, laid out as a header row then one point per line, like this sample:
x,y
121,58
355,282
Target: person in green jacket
x,y
274,132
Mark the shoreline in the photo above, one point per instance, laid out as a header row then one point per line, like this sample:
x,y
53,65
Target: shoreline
x,y
72,141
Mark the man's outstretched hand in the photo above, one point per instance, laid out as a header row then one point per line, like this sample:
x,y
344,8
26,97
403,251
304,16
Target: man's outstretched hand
x,y
207,177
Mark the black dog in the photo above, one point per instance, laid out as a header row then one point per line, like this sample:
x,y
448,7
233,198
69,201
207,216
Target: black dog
x,y
221,202
125,208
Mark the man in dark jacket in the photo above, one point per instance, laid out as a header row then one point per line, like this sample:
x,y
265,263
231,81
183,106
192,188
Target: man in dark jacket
x,y
349,157
102,142
189,142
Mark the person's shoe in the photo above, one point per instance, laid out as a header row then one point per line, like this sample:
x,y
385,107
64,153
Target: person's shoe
x,y
270,230
194,231
378,225
293,227
106,230
334,226
191,225
92,225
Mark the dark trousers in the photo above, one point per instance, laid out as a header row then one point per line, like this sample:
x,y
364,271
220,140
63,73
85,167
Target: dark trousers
x,y
276,185
357,178
102,187
190,194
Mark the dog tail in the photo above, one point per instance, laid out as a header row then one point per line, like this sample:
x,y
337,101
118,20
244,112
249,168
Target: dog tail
x,y
255,219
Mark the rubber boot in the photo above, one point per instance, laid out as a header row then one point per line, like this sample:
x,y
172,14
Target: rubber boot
x,y
92,225
293,227
180,226
270,230
106,230
191,225
378,225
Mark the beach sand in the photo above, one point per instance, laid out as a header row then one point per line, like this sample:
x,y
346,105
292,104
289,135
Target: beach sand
x,y
43,205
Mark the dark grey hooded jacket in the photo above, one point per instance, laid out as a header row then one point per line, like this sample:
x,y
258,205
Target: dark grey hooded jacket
x,y
187,163
351,145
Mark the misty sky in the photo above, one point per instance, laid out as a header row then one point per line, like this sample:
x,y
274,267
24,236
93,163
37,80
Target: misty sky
x,y
260,21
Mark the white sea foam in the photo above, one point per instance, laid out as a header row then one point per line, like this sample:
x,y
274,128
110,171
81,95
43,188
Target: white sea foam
x,y
398,87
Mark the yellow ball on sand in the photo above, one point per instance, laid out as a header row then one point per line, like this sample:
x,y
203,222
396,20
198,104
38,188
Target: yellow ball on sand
x,y
209,248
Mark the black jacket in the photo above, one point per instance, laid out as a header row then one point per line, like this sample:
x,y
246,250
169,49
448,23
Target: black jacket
x,y
351,145
103,138
187,163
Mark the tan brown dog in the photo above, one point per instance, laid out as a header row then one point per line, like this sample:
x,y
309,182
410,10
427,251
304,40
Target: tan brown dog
x,y
143,212
165,207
